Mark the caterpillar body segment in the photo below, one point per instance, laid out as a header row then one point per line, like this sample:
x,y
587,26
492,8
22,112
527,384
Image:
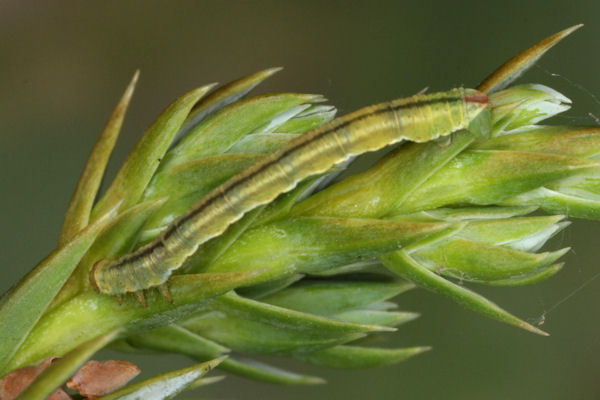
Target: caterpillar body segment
x,y
418,118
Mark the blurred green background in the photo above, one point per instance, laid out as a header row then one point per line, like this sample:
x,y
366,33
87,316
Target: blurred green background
x,y
64,64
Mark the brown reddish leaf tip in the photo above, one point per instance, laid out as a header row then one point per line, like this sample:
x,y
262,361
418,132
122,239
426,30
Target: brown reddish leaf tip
x,y
97,378
18,380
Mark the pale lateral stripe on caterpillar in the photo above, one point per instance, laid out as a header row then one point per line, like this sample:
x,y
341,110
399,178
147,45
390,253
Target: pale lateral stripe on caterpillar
x,y
418,118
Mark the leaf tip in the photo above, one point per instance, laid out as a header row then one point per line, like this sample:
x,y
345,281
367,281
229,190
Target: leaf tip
x,y
134,80
569,30
213,363
514,67
270,71
421,349
533,329
314,380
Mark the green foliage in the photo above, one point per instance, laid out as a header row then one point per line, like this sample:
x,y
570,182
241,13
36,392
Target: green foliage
x,y
314,271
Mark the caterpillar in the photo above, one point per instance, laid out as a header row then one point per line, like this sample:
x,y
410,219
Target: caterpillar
x,y
418,118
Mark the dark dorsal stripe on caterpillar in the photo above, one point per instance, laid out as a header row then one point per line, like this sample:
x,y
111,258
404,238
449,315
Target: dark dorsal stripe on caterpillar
x,y
418,118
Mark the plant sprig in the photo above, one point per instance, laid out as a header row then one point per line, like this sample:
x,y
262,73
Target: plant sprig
x,y
312,272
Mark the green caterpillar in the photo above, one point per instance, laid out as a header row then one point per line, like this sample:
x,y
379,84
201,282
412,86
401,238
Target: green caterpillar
x,y
418,118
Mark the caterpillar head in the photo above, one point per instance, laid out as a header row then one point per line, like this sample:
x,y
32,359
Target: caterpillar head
x,y
95,274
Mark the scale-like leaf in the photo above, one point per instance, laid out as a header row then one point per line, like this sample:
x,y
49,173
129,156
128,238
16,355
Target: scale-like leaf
x,y
402,264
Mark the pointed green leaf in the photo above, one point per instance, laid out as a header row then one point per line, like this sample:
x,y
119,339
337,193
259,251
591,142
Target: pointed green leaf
x,y
261,290
562,140
261,143
177,339
526,234
402,264
555,202
205,381
80,207
575,196
275,122
217,134
224,96
259,371
144,159
586,185
23,305
525,105
470,260
529,279
377,317
475,213
165,386
332,296
63,368
495,225
482,177
520,63
367,266
313,244
253,327
308,119
359,357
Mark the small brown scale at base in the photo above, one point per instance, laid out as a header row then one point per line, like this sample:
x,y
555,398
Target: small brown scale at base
x,y
93,380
